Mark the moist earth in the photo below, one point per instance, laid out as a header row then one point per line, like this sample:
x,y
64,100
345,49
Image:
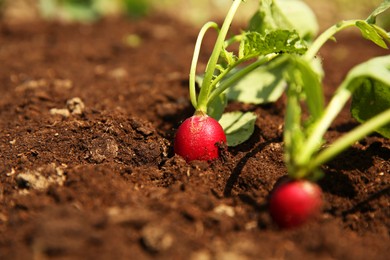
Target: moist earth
x,y
87,169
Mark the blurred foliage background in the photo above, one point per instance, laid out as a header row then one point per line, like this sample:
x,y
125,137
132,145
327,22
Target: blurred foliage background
x,y
192,11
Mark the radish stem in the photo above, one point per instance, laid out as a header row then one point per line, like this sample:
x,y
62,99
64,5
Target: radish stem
x,y
195,58
212,63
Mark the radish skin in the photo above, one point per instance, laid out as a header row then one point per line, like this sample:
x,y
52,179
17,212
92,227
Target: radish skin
x,y
295,202
199,138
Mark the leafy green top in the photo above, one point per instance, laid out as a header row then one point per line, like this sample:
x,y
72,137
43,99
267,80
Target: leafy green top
x,y
277,54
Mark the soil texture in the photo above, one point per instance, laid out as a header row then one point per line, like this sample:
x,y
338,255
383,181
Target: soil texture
x,y
87,169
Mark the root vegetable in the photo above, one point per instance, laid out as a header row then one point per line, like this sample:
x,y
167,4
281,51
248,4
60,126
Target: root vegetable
x,y
295,202
198,138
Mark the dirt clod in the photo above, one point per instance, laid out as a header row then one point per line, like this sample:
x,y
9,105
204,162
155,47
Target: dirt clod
x,y
156,238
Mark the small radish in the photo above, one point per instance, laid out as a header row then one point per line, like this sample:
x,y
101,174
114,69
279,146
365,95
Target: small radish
x,y
198,138
295,202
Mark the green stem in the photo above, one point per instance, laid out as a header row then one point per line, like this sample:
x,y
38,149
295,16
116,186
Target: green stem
x,y
335,105
292,129
314,140
350,138
222,75
195,58
205,89
239,75
234,39
325,36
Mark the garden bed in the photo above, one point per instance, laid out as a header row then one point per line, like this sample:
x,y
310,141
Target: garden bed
x,y
87,168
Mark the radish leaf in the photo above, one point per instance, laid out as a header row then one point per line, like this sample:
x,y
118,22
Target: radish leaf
x,y
370,83
380,9
371,98
256,44
217,106
286,15
238,126
263,85
373,33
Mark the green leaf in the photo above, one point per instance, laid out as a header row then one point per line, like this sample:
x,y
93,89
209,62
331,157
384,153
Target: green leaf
x,y
80,10
375,68
263,85
216,107
371,98
287,15
136,8
256,44
228,56
373,33
380,9
305,75
300,16
268,18
370,84
47,8
238,126
256,23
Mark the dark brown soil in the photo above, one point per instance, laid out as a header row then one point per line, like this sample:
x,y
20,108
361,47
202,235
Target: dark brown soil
x,y
105,184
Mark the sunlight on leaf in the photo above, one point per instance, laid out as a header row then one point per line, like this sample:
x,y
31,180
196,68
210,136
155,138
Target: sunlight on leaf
x,y
217,106
287,15
238,126
373,33
371,98
380,9
256,44
263,85
370,84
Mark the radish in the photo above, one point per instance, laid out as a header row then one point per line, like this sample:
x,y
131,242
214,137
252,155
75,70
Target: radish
x,y
198,138
295,202
305,147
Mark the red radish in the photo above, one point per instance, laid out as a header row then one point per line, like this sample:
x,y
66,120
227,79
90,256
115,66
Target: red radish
x,y
295,202
198,137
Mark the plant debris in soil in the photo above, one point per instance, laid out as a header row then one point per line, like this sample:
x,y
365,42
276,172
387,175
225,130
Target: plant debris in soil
x,y
87,168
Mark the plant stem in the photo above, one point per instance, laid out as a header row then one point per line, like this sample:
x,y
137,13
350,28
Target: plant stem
x,y
195,58
325,36
335,105
315,138
350,138
292,128
205,89
239,75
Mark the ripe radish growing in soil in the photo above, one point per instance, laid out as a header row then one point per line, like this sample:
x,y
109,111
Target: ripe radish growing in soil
x,y
198,138
295,202
271,44
222,71
285,58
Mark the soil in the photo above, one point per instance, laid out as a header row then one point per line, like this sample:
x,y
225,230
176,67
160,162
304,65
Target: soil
x,y
87,169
